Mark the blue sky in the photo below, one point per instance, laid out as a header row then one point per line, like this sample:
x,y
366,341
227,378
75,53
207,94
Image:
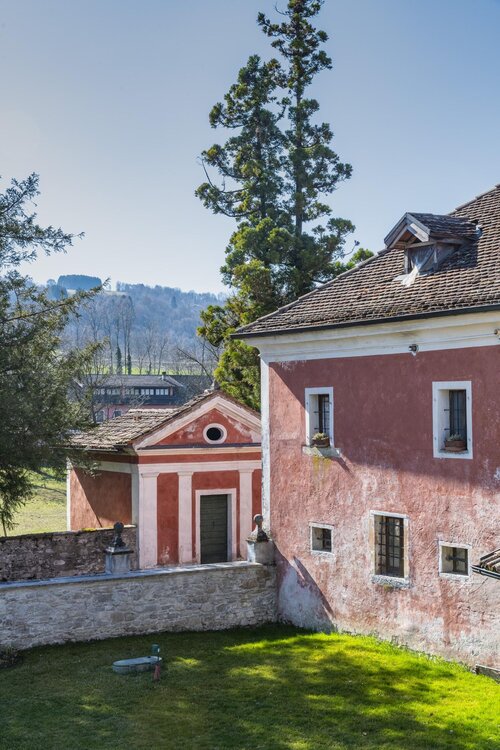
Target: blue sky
x,y
108,101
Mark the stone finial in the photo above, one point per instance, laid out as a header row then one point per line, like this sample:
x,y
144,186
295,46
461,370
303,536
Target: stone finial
x,y
261,535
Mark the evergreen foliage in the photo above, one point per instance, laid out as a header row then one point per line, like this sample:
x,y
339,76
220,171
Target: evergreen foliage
x,y
35,376
274,173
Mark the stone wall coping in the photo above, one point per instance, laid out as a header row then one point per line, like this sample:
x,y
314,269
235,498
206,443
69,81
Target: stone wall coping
x,y
46,534
150,573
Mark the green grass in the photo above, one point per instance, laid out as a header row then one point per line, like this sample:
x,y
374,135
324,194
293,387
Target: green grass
x,y
274,688
46,511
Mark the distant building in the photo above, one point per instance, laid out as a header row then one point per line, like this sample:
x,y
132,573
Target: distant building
x,y
190,479
114,395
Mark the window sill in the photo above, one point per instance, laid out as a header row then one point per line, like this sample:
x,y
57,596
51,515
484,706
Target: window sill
x,y
391,582
453,454
455,576
322,553
313,450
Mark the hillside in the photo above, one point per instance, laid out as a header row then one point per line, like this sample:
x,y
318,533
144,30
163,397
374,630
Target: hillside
x,y
144,327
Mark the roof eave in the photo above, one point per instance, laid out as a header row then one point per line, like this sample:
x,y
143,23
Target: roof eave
x,y
363,322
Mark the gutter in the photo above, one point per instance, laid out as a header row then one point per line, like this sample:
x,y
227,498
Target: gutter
x,y
363,322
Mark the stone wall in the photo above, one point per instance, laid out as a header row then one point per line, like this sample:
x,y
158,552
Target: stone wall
x,y
66,553
205,597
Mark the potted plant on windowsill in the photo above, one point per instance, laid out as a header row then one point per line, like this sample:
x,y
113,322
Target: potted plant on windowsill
x,y
320,440
455,444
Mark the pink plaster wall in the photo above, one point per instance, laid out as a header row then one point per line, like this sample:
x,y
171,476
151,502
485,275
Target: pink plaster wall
x,y
99,500
383,427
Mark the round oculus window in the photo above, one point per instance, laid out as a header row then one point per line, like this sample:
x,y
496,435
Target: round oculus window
x,y
214,433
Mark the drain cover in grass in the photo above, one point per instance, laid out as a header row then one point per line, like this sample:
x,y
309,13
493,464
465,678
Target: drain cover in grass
x,y
140,664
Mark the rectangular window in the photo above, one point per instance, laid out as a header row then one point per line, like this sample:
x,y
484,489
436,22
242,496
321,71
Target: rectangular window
x,y
321,538
452,419
389,546
453,559
319,413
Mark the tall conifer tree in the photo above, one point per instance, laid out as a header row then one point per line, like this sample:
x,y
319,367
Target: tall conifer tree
x,y
273,176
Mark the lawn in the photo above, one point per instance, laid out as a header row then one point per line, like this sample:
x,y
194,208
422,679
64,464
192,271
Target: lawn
x,y
273,688
46,511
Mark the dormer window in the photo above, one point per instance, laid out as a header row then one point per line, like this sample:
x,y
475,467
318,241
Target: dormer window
x,y
426,258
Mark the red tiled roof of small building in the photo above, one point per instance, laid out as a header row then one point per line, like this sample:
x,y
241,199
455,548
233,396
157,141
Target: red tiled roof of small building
x,y
468,279
117,434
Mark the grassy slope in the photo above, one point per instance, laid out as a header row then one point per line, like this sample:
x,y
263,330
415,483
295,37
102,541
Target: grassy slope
x,y
46,511
275,688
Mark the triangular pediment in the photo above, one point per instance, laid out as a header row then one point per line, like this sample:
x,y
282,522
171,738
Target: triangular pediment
x,y
219,408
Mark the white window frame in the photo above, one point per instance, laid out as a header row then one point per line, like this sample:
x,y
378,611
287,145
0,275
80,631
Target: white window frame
x,y
321,552
455,576
396,581
440,421
220,427
309,403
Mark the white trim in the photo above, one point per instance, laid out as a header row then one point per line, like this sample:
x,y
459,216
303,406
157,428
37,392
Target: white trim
x,y
320,552
232,542
328,391
438,418
148,523
246,516
454,576
219,403
175,468
264,416
185,520
220,427
430,334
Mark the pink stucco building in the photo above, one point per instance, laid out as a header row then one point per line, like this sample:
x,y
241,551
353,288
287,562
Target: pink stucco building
x,y
392,528
190,479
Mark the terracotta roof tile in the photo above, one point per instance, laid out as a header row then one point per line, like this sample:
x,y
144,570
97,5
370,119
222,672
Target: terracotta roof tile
x,y
468,278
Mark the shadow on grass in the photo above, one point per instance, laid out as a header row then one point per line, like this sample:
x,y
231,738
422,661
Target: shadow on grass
x,y
275,688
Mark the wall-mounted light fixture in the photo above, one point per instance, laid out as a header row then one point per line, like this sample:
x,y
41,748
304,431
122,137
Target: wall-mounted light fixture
x,y
413,348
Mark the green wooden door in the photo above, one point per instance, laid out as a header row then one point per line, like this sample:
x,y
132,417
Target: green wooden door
x,y
213,528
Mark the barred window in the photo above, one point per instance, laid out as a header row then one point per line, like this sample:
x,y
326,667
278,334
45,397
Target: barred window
x,y
454,560
389,546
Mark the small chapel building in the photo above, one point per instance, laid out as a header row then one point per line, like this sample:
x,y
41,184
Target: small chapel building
x,y
189,478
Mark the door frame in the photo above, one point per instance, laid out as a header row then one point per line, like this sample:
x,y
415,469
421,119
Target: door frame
x,y
232,542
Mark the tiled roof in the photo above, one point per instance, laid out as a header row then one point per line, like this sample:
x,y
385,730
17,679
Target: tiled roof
x,y
120,432
469,278
128,381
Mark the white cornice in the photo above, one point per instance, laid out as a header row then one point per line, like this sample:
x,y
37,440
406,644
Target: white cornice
x,y
432,334
191,467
